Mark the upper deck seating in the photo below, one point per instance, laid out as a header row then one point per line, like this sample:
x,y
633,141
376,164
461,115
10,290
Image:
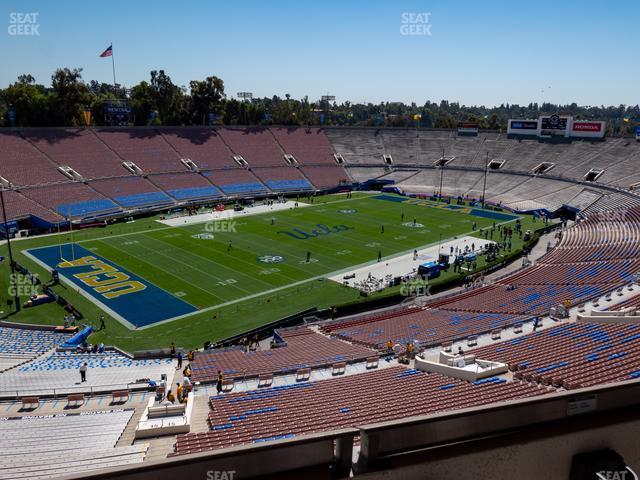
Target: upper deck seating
x,y
309,146
203,146
79,149
256,145
145,147
23,164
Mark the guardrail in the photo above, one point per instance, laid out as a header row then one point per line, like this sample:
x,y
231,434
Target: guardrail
x,y
387,438
63,391
382,440
246,375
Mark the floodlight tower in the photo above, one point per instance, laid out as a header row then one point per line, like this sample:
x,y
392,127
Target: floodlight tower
x,y
484,184
245,96
441,174
326,99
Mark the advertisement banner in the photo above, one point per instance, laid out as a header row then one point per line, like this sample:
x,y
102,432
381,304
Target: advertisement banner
x,y
523,124
579,126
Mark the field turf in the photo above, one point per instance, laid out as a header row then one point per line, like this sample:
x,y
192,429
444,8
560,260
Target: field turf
x,y
226,277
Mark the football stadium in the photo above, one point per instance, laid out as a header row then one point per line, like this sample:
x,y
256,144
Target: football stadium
x,y
201,284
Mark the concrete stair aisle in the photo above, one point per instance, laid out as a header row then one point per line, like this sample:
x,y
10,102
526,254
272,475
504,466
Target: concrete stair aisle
x,y
200,413
129,433
159,447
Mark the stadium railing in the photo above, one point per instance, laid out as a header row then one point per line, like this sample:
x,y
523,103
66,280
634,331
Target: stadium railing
x,y
384,440
64,391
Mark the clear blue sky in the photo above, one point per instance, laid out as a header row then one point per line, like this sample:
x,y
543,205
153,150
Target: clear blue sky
x,y
478,52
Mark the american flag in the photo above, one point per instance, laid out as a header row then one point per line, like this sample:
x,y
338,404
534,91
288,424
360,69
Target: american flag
x,y
108,52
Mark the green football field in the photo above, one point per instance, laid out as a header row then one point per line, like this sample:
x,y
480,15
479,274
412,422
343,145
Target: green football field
x,y
252,270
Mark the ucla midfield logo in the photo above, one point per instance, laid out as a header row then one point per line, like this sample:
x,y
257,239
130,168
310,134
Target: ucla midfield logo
x,y
321,230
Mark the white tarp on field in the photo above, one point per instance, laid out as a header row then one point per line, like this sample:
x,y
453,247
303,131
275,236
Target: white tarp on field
x,y
405,264
229,214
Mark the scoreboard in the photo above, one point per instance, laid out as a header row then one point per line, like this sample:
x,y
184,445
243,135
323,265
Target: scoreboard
x,y
118,113
554,125
557,125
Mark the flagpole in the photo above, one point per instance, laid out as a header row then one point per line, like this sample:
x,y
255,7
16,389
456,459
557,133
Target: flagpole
x,y
113,66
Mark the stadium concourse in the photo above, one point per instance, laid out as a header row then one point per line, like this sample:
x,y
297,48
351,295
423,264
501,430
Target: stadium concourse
x,y
347,396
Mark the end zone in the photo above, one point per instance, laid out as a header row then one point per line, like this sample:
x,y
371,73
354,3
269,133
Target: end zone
x,y
129,298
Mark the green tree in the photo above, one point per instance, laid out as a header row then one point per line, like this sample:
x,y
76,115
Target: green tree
x,y
69,97
29,101
206,97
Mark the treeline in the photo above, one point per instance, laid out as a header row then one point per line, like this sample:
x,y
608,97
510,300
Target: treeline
x,y
158,101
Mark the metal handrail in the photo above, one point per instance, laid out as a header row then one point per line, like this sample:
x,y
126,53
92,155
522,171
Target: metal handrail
x,y
56,392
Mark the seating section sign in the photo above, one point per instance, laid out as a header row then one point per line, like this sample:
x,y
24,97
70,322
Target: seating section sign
x,y
133,300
